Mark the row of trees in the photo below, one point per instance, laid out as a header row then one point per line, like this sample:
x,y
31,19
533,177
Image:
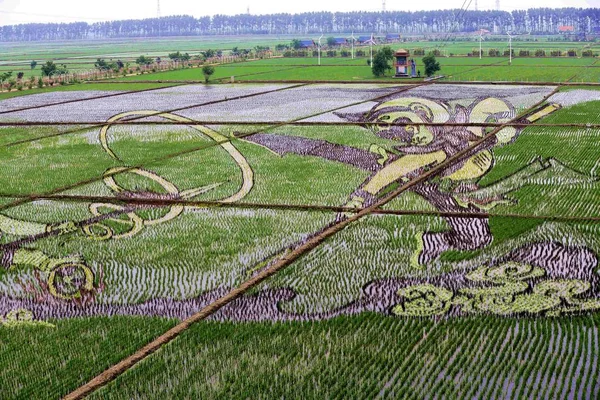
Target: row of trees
x,y
540,21
59,74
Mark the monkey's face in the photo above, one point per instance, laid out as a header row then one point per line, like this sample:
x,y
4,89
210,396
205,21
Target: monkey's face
x,y
407,120
400,128
401,120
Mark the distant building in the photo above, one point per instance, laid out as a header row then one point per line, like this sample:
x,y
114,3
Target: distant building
x,y
340,41
392,37
566,29
365,39
307,44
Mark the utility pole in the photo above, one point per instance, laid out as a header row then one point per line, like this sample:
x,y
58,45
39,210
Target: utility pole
x,y
320,49
509,48
372,41
158,15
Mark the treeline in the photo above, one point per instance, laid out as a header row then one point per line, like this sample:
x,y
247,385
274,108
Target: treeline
x,y
536,21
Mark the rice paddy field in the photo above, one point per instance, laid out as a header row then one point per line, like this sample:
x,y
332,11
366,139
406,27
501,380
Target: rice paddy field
x,y
79,56
280,239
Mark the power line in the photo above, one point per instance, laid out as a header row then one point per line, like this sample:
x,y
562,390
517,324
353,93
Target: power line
x,y
461,12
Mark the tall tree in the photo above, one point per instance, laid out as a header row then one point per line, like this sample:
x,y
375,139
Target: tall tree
x,y
207,70
49,68
143,60
431,65
380,61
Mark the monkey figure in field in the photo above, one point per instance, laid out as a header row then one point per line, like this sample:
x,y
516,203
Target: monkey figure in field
x,y
426,133
423,146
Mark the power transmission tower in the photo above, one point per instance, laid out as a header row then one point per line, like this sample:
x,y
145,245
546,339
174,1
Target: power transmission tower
x,y
497,5
383,5
158,16
476,6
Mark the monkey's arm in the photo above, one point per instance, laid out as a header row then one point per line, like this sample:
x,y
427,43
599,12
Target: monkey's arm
x,y
17,227
401,168
289,144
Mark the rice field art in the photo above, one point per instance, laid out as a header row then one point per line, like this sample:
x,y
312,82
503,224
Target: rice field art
x,y
346,240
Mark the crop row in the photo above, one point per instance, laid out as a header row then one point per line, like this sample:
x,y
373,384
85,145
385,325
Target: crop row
x,y
369,356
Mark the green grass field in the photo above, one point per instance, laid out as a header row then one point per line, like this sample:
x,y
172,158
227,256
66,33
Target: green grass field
x,y
81,55
348,357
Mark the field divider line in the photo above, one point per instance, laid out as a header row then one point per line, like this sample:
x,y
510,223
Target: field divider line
x,y
96,125
260,73
199,148
104,96
131,122
389,81
496,64
584,68
221,80
284,261
141,202
396,81
138,204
